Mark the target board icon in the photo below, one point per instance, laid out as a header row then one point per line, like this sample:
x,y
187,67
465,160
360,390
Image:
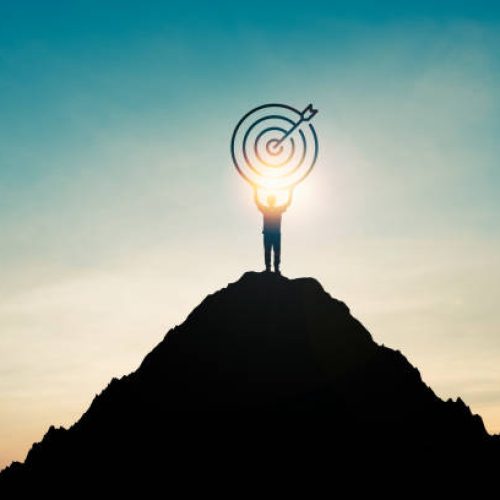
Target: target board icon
x,y
274,146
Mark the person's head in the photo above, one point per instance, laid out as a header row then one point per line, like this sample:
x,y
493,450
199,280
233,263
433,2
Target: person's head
x,y
271,200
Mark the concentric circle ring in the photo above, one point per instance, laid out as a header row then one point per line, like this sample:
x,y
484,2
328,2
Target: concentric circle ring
x,y
260,150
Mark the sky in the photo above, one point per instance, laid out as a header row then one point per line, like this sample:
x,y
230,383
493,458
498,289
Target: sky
x,y
120,209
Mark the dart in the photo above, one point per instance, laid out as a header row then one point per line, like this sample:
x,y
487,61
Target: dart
x,y
305,116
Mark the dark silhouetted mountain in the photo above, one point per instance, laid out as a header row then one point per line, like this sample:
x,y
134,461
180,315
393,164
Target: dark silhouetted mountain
x,y
268,370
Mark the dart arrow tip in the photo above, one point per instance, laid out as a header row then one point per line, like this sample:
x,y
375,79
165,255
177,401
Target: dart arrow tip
x,y
308,113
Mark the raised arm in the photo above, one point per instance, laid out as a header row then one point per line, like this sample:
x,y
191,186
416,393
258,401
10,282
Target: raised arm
x,y
260,206
287,204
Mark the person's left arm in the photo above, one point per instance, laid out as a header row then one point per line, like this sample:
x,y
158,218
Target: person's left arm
x,y
289,201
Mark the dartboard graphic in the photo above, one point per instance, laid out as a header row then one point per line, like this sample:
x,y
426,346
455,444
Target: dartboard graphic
x,y
275,146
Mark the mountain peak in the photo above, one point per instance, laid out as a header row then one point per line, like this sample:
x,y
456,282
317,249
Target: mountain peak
x,y
265,278
263,358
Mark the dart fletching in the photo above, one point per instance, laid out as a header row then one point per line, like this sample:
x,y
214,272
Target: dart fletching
x,y
308,113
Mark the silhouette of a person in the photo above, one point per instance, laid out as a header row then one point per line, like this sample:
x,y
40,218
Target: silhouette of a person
x,y
272,228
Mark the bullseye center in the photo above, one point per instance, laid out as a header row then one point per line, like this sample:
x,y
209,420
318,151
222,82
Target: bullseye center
x,y
273,148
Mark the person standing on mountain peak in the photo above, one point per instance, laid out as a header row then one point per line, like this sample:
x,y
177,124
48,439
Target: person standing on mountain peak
x,y
272,228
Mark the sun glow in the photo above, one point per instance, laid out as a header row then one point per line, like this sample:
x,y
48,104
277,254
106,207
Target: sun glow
x,y
282,195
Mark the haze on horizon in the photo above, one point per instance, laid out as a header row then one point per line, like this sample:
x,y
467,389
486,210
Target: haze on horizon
x,y
120,209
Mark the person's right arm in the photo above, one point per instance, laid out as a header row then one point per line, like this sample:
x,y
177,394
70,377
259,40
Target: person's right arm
x,y
260,206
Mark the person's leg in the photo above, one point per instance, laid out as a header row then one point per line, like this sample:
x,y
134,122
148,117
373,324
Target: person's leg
x,y
267,251
277,252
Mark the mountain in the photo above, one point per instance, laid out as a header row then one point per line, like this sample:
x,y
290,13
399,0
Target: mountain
x,y
267,367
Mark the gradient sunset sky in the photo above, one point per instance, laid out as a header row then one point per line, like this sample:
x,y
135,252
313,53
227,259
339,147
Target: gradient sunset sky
x,y
120,209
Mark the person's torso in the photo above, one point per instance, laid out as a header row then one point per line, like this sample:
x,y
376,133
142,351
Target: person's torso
x,y
272,220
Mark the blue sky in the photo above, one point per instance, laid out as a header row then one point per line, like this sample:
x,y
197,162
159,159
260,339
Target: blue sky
x,y
120,209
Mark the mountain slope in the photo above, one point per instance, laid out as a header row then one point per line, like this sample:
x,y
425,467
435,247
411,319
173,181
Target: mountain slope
x,y
266,363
